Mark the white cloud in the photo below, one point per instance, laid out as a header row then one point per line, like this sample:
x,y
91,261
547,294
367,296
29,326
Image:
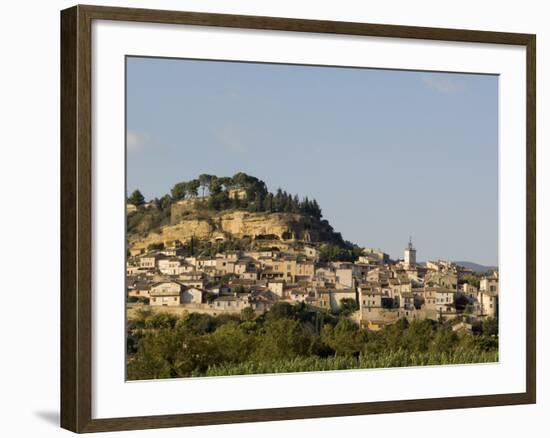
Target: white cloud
x,y
441,83
135,140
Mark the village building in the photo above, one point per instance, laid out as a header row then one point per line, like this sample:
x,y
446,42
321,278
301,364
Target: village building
x,y
150,260
192,295
410,256
139,289
488,303
166,294
230,303
383,290
277,287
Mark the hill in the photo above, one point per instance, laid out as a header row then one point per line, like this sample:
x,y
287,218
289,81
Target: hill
x,y
229,208
476,267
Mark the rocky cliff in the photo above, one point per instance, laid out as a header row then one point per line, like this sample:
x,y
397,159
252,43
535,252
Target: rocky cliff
x,y
209,225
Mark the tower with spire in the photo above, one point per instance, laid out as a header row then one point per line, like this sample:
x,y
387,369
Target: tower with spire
x,y
410,255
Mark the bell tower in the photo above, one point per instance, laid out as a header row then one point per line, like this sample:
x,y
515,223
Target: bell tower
x,y
410,255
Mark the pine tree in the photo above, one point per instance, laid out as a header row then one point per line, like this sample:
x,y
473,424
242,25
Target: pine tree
x,y
136,198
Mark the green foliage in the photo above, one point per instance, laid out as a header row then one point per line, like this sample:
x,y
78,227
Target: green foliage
x,y
146,219
342,252
290,338
281,310
210,296
345,338
199,323
347,306
282,339
490,327
239,289
258,198
136,198
155,246
233,343
471,279
383,360
140,300
247,314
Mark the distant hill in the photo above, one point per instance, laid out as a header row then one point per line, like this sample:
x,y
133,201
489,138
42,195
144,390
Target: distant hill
x,y
476,267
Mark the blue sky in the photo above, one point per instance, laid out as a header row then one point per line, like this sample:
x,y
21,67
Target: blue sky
x,y
386,153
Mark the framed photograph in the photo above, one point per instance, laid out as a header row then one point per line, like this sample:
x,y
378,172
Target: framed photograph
x,y
271,218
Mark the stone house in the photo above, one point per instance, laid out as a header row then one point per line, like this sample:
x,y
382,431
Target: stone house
x,y
224,265
439,299
489,284
150,260
166,294
344,277
192,295
250,274
287,266
298,295
262,300
170,266
311,252
305,270
469,290
193,279
276,286
337,295
229,303
488,303
139,289
447,280
203,262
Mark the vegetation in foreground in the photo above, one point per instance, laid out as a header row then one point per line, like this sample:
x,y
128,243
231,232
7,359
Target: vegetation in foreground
x,y
293,338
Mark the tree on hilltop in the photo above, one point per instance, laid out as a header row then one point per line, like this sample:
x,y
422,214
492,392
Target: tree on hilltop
x,y
136,198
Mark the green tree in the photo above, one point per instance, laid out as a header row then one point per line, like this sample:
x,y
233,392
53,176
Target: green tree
x,y
418,335
282,339
136,198
165,202
347,306
158,246
247,314
179,191
232,344
204,181
345,338
489,327
193,187
444,341
280,310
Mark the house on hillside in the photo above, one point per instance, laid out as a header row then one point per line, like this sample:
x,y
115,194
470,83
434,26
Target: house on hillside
x,y
192,295
166,294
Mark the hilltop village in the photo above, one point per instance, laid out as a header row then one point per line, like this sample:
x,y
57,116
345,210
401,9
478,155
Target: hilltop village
x,y
378,290
290,265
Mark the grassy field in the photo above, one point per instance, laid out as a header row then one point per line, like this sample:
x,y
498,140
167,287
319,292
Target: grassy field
x,y
389,360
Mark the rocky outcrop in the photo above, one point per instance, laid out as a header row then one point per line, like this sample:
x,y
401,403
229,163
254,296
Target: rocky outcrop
x,y
206,225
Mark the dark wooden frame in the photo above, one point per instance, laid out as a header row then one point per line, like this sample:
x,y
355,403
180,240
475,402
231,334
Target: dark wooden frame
x,y
76,174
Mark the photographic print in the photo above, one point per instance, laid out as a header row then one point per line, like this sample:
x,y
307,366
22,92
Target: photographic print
x,y
295,218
